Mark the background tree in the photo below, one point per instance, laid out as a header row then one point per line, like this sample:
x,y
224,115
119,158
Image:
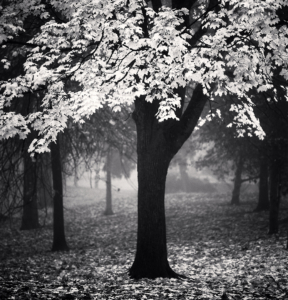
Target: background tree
x,y
225,153
108,165
107,139
263,197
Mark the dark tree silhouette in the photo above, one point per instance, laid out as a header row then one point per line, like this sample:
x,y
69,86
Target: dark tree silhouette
x,y
157,143
108,210
30,207
237,180
263,197
59,240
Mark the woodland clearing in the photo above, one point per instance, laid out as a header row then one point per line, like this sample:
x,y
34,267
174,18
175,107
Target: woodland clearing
x,y
219,247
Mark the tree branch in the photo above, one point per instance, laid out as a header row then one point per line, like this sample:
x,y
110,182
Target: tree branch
x,y
181,130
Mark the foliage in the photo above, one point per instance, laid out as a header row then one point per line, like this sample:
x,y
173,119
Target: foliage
x,y
218,247
118,51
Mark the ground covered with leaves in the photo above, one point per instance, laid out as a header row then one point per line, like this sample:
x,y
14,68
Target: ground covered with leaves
x,y
224,251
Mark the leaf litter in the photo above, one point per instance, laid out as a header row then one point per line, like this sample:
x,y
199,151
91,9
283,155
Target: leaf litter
x,y
224,251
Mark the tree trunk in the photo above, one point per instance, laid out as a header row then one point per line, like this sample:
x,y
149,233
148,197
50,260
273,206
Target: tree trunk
x,y
44,182
237,182
263,198
274,196
59,240
96,178
151,253
157,143
108,211
30,218
153,160
76,178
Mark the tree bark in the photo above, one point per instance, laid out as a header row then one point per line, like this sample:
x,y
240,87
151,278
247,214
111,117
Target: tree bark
x,y
237,182
44,182
152,166
108,211
59,240
157,143
274,196
263,198
30,218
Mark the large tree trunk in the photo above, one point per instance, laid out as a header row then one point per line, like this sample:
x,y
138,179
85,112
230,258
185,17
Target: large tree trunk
x,y
108,211
157,143
59,240
263,197
152,166
237,182
30,218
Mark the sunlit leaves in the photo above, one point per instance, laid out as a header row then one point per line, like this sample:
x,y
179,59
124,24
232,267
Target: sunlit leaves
x,y
118,51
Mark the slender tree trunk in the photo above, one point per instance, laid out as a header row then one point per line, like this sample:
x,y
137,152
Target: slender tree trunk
x,y
59,240
108,210
237,182
30,218
274,196
263,198
76,178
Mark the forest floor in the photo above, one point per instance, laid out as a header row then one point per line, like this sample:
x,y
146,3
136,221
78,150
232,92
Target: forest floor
x,y
219,247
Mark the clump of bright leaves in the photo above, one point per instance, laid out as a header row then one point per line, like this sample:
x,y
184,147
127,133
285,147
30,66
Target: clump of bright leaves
x,y
119,50
218,247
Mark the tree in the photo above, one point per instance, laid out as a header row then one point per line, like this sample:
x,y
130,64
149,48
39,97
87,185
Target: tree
x,y
226,154
273,117
108,137
125,53
263,197
59,240
30,207
11,180
44,185
108,209
237,181
116,165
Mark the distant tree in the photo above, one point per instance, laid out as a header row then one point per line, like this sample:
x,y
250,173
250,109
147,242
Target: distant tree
x,y
108,166
106,139
263,196
116,165
226,154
